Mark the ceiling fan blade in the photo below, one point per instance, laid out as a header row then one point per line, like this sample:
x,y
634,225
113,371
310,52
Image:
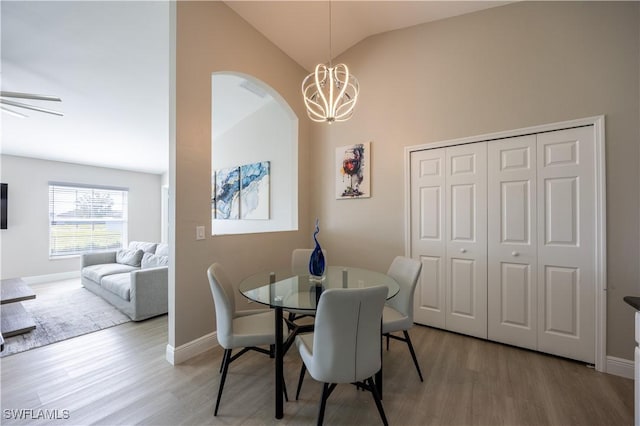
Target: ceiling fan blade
x,y
31,107
30,96
12,112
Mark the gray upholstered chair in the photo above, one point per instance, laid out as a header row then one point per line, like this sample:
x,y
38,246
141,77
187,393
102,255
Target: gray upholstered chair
x,y
237,329
300,260
398,311
345,346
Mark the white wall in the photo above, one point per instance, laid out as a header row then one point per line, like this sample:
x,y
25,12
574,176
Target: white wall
x,y
25,244
164,210
269,134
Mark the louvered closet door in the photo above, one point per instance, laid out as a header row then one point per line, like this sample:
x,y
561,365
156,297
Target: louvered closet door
x,y
566,244
428,234
512,250
466,233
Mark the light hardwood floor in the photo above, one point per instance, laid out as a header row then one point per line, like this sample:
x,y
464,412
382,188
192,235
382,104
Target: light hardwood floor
x,y
120,376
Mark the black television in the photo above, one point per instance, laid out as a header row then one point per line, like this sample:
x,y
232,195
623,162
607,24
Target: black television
x,y
3,205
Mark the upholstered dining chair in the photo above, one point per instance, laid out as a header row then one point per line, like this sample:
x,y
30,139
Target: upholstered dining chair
x,y
345,345
237,329
398,311
300,260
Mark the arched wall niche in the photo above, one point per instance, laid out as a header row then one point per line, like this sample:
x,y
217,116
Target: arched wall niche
x,y
252,125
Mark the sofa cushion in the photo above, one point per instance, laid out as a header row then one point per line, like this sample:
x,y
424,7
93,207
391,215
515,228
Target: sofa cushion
x,y
153,260
129,257
144,246
96,272
118,284
162,249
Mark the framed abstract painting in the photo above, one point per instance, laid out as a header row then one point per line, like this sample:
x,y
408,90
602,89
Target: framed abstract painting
x,y
254,190
241,192
227,193
353,173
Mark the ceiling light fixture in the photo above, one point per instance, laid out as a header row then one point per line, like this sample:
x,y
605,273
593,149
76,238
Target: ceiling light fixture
x,y
29,96
330,93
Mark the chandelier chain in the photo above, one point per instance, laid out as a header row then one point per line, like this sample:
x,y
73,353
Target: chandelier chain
x,y
330,50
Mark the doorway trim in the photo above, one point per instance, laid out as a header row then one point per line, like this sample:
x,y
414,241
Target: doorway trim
x,y
600,238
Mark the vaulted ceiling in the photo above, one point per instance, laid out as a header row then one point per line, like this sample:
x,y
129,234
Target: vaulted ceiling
x,y
109,62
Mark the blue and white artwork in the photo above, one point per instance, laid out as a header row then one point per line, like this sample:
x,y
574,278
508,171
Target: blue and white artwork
x,y
254,190
241,192
227,193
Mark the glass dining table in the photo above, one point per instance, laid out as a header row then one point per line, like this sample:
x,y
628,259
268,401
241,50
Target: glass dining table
x,y
281,291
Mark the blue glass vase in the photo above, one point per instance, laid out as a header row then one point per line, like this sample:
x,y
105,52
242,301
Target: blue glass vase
x,y
316,261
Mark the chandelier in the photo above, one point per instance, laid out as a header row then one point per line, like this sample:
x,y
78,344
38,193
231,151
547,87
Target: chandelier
x,y
330,93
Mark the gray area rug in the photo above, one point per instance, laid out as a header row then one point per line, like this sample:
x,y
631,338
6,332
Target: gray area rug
x,y
62,310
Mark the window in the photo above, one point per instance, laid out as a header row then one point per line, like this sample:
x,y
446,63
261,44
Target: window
x,y
86,219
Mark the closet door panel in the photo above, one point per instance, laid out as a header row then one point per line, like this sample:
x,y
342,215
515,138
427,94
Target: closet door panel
x,y
506,233
427,234
512,252
466,235
566,251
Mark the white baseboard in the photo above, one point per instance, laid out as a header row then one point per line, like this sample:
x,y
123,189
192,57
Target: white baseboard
x,y
195,347
620,367
51,277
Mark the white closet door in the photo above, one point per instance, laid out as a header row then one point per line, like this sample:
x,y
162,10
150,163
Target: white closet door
x,y
466,233
566,249
512,251
428,234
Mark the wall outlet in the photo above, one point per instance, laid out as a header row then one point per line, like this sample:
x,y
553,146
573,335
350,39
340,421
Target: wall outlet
x,y
199,232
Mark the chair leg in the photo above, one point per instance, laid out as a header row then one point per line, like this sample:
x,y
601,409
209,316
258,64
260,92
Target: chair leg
x,y
272,351
303,370
323,402
376,398
387,341
284,390
413,354
222,362
226,360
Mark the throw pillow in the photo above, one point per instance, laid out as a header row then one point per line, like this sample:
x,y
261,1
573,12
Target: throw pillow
x,y
153,260
162,249
144,246
129,257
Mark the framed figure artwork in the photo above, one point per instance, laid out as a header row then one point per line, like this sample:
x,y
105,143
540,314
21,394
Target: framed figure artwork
x,y
353,171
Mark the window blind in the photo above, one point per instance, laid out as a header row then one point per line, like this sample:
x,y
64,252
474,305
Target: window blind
x,y
84,219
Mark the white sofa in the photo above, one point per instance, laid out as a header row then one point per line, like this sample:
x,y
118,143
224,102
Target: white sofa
x,y
134,280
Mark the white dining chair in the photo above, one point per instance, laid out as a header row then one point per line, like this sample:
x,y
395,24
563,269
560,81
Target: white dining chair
x,y
237,329
300,260
398,311
345,346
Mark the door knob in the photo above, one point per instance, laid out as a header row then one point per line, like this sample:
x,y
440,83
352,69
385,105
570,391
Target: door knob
x,y
463,250
515,254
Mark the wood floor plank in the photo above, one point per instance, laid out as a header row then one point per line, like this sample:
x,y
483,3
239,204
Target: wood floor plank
x,y
119,376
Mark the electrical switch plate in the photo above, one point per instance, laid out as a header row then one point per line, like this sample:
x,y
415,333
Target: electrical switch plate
x,y
199,232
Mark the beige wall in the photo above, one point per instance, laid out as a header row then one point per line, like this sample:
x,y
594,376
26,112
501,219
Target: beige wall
x,y
514,66
519,65
211,37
